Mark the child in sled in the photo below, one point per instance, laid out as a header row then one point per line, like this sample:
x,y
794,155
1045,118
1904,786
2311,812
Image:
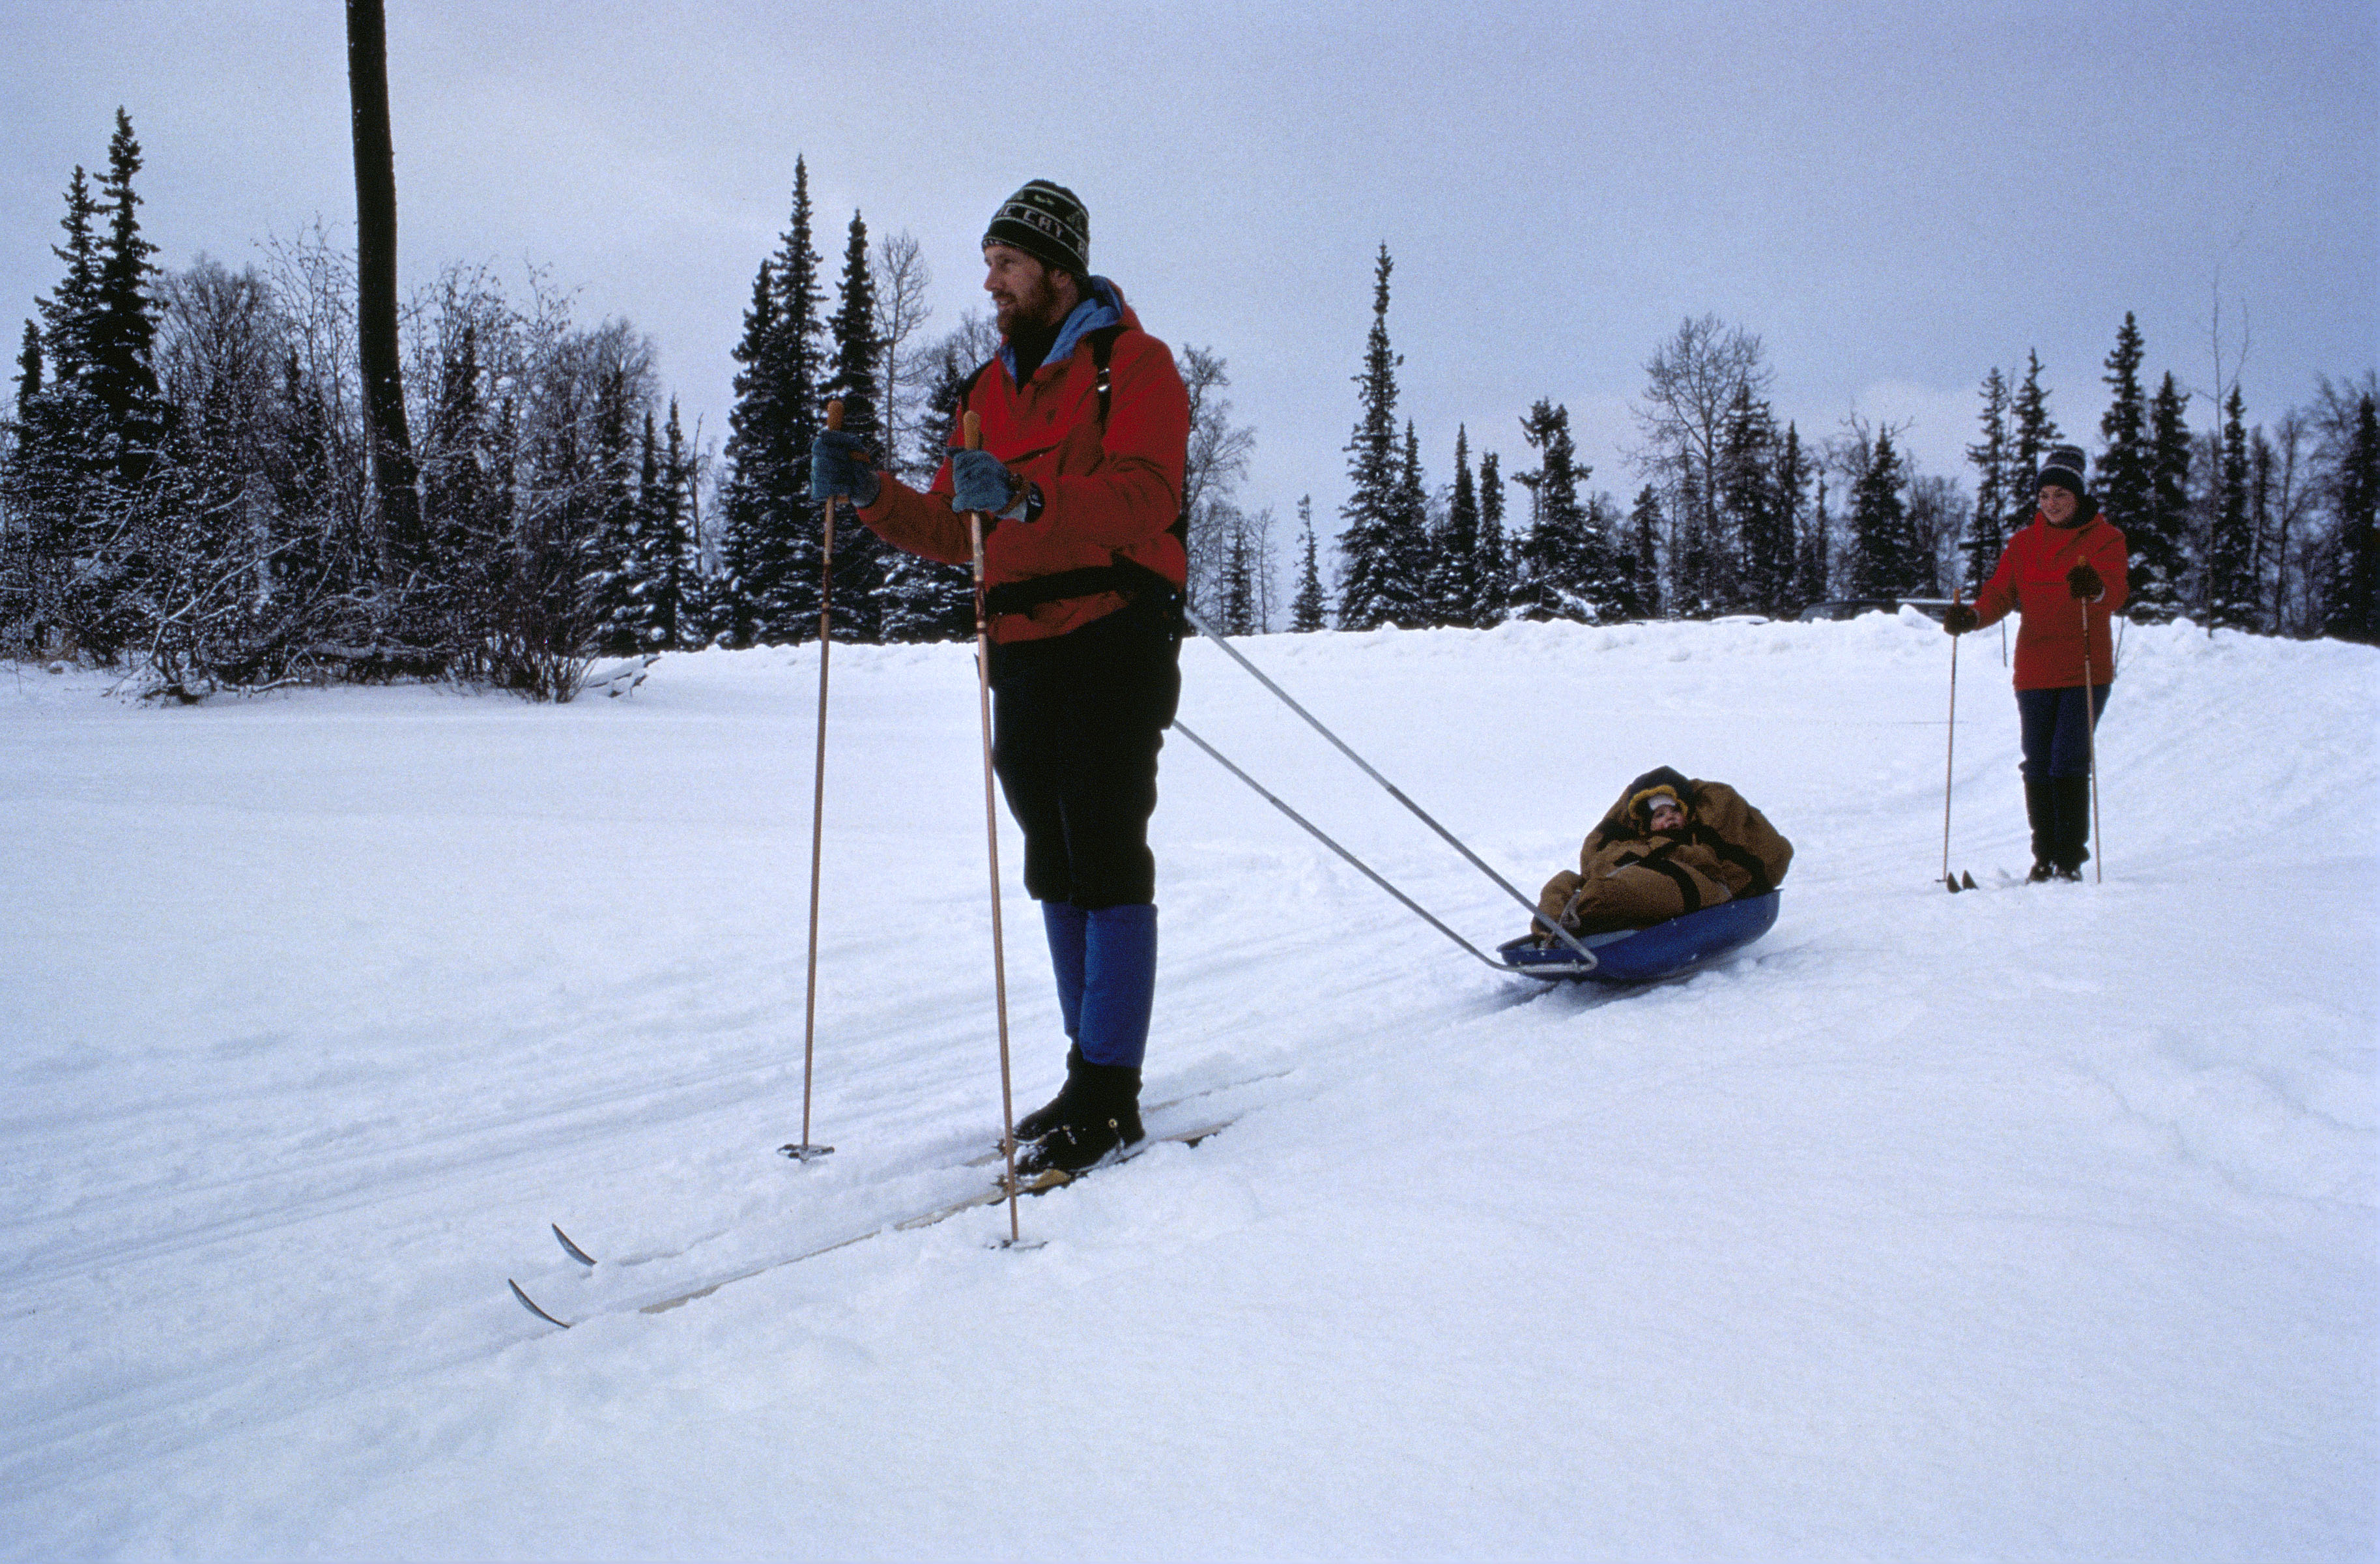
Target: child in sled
x,y
1668,847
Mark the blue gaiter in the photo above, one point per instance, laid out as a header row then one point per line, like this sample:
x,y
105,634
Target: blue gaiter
x,y
1119,980
1068,928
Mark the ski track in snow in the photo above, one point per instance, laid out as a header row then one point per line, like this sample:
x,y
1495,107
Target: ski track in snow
x,y
2037,1222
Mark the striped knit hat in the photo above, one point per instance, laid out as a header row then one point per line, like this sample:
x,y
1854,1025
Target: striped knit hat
x,y
1048,223
2064,469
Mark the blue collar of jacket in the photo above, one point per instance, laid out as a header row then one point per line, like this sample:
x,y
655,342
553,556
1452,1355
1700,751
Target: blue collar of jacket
x,y
1103,306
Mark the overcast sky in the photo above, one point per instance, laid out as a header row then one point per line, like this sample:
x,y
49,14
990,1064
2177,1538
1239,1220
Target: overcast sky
x,y
1896,197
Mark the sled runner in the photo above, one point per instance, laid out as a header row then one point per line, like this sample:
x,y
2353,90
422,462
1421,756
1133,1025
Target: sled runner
x,y
1644,954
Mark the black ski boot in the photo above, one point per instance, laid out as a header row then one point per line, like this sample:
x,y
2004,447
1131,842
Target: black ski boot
x,y
2072,796
1104,1116
2041,813
1050,1115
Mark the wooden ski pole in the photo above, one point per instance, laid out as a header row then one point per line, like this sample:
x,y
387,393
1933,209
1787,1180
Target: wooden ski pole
x,y
802,1150
2091,746
1950,752
974,437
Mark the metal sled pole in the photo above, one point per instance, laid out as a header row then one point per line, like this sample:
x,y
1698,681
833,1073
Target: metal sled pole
x,y
1509,889
1360,866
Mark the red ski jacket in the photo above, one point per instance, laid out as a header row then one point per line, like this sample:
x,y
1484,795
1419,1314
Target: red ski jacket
x,y
2031,579
1106,494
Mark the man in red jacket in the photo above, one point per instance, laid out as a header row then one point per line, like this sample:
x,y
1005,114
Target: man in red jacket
x,y
1085,430
2064,575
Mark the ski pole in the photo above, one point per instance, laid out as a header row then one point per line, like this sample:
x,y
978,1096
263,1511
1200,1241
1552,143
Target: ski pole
x,y
2091,748
974,426
1950,752
802,1150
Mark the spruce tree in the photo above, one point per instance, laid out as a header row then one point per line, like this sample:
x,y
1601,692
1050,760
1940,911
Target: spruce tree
x,y
1373,592
1564,565
2230,594
122,321
772,529
1885,556
676,574
2159,535
1691,568
2123,483
1753,509
2034,433
2351,606
1644,528
1238,593
1999,491
1414,566
1814,575
1456,589
1308,609
860,582
1793,478
1495,548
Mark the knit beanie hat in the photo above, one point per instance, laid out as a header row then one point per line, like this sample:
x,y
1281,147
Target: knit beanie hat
x,y
2064,469
1048,223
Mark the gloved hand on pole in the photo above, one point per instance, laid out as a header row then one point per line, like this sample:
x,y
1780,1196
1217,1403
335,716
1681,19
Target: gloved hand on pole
x,y
979,483
839,469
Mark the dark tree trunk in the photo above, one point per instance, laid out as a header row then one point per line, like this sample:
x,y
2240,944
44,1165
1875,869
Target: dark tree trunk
x,y
391,447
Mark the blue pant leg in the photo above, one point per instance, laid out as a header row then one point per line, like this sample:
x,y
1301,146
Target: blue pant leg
x,y
1119,983
1068,928
2055,728
2069,749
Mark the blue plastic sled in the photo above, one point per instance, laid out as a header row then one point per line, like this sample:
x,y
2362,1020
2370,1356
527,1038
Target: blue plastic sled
x,y
1644,955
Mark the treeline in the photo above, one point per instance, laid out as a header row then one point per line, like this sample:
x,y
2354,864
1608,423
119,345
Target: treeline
x,y
2269,529
186,483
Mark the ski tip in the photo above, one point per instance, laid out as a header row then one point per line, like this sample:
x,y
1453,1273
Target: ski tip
x,y
569,1248
802,1152
1966,880
531,1304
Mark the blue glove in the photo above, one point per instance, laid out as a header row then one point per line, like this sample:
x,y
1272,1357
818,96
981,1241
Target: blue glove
x,y
979,483
839,468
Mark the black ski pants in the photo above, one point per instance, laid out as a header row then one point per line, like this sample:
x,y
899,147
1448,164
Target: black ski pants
x,y
1077,724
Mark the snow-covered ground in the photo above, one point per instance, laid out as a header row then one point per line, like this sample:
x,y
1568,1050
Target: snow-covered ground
x,y
2037,1223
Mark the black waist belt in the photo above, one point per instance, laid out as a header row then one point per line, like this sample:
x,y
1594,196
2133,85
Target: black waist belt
x,y
1123,576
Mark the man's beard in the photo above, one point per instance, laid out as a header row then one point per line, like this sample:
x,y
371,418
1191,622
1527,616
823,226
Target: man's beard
x,y
1029,311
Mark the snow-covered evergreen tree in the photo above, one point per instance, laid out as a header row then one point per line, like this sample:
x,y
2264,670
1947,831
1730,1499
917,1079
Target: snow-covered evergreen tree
x,y
1753,509
1495,545
2351,584
1455,588
1376,586
2229,585
2031,432
1564,561
2158,537
861,584
2122,482
1886,559
1646,525
1999,490
1308,610
771,554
